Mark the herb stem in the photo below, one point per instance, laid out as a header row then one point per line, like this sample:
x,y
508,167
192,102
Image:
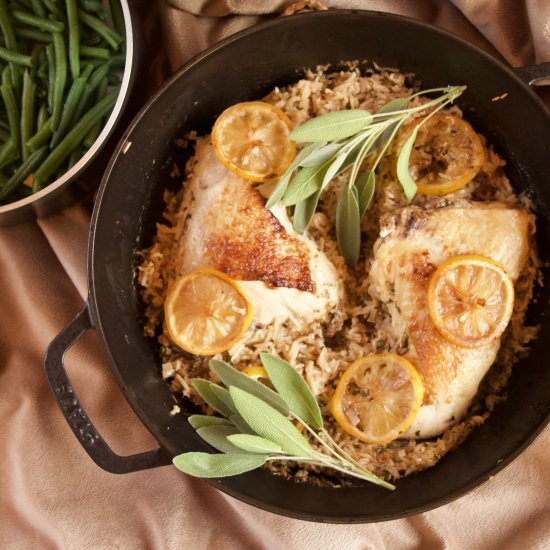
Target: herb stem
x,y
344,453
325,462
315,435
342,458
360,473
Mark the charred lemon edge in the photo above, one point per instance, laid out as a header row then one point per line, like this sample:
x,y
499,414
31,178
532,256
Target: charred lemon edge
x,y
335,403
482,261
244,173
444,188
176,285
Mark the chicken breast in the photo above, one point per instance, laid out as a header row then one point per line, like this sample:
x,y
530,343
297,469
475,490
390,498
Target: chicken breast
x,y
412,244
227,227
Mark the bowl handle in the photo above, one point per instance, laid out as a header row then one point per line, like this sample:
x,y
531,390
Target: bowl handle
x,y
532,73
75,415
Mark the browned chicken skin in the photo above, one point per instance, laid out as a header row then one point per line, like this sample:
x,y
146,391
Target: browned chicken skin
x,y
227,227
413,243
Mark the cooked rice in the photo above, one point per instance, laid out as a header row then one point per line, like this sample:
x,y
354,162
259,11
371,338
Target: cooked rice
x,y
367,327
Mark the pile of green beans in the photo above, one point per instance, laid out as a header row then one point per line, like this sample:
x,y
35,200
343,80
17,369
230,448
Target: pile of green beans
x,y
60,62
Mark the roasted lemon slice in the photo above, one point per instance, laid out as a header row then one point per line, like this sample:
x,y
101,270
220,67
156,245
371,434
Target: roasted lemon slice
x,y
252,140
447,154
206,312
377,398
470,300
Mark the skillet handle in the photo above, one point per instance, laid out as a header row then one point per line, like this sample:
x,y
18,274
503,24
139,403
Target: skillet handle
x,y
75,415
532,73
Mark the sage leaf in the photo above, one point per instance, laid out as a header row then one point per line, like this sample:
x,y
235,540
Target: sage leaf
x,y
294,389
351,157
216,436
269,423
217,465
282,184
242,426
403,174
332,126
279,190
303,212
366,184
321,154
348,225
393,106
333,169
386,135
232,377
202,420
215,396
254,444
306,182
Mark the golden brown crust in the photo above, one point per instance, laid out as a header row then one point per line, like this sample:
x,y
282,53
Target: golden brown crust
x,y
235,247
227,227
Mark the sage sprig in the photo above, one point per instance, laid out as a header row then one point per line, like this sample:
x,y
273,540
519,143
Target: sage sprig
x,y
340,140
261,425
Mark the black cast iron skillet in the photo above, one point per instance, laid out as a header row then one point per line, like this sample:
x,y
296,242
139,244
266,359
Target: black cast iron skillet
x,y
246,66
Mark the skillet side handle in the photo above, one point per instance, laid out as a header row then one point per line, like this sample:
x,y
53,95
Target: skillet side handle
x,y
75,415
531,73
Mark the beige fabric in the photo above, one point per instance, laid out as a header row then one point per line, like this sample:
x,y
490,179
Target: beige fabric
x,y
53,496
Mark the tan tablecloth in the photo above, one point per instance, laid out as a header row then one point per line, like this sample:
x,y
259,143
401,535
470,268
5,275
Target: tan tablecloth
x,y
53,496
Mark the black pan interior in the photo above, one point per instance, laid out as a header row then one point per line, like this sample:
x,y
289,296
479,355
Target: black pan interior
x,y
246,67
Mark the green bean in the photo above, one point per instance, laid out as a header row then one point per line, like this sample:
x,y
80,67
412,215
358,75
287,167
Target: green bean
x,y
83,103
6,76
60,77
117,15
14,57
25,169
71,104
8,153
51,6
74,37
101,92
93,61
57,107
27,113
90,51
4,135
50,56
42,116
33,34
36,56
38,8
7,27
73,138
40,23
112,37
10,40
91,5
98,75
41,137
10,104
74,158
